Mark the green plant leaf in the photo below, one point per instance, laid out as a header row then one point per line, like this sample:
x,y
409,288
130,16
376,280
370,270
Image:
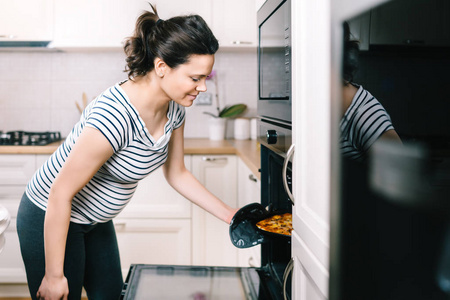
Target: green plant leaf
x,y
232,111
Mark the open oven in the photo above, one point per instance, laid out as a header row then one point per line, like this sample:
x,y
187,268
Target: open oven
x,y
272,281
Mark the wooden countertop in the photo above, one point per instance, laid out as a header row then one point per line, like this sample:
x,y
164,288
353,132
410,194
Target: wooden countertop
x,y
247,150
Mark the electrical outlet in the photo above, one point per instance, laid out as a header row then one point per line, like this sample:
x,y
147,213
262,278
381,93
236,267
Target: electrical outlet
x,y
204,99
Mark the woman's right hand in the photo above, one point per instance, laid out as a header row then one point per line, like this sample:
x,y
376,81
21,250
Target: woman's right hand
x,y
53,288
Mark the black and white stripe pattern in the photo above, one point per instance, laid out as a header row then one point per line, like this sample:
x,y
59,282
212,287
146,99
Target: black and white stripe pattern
x,y
363,123
136,154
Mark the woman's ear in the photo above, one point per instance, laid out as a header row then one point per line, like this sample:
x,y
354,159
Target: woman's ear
x,y
160,67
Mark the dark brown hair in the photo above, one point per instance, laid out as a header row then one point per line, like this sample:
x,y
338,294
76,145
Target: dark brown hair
x,y
351,55
173,40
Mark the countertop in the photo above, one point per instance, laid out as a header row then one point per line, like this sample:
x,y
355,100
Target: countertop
x,y
247,150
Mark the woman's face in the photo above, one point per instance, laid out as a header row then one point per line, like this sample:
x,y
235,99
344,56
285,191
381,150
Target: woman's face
x,y
183,83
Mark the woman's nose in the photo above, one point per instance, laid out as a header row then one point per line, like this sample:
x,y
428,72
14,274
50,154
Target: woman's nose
x,y
201,87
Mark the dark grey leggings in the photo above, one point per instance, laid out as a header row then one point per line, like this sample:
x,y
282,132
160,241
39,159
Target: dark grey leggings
x,y
91,259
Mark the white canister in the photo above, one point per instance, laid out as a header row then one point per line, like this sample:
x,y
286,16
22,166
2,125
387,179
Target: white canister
x,y
217,128
253,129
241,129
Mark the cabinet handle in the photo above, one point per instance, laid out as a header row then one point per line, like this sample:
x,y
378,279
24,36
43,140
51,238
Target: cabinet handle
x,y
251,262
413,42
252,178
287,271
120,225
241,43
214,158
289,154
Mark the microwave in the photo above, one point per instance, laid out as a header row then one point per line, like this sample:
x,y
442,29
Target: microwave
x,y
274,61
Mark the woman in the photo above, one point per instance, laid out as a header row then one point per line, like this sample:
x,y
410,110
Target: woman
x,y
64,222
365,120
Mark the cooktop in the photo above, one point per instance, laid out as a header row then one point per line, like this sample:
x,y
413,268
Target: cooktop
x,y
29,138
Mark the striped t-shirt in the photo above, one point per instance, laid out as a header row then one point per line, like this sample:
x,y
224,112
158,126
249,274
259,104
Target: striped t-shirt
x,y
363,123
136,154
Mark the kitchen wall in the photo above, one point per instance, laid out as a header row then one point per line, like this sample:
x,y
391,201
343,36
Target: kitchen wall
x,y
38,90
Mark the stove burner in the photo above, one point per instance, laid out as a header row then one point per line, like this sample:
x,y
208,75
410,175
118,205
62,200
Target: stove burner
x,y
26,138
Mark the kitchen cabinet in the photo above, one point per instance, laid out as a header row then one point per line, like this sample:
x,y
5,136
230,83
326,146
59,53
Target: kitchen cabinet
x,y
234,23
359,28
249,191
211,243
105,24
415,23
15,172
155,198
313,173
96,24
30,20
153,241
155,227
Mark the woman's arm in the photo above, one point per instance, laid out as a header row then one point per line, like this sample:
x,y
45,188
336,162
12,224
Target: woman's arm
x,y
89,153
187,185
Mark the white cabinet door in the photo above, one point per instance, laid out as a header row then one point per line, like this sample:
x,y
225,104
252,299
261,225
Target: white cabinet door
x,y
234,22
16,168
168,9
12,269
15,171
249,191
306,288
155,198
312,174
101,23
151,241
26,20
211,244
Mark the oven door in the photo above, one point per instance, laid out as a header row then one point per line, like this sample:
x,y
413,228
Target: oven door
x,y
161,282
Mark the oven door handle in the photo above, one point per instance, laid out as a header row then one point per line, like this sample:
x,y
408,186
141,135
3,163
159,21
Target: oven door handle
x,y
289,154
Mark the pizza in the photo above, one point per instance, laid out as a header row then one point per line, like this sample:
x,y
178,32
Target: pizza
x,y
280,224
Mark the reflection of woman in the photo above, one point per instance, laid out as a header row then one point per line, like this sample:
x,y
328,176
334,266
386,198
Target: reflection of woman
x,y
365,120
123,135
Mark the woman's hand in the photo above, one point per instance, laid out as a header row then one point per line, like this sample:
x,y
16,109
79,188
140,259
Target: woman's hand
x,y
53,288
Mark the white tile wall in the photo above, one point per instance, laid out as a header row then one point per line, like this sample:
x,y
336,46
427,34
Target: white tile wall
x,y
38,90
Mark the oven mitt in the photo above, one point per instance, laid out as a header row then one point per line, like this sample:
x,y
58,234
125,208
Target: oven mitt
x,y
243,231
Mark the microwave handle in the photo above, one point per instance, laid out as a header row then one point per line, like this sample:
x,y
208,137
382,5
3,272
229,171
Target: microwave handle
x,y
289,154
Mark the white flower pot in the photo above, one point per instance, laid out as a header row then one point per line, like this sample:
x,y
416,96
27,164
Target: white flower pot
x,y
217,128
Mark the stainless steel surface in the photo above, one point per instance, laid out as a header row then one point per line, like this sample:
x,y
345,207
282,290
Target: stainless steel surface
x,y
285,167
275,136
274,60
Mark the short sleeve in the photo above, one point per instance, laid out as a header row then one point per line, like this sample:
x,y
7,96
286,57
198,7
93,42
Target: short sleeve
x,y
179,115
111,119
372,122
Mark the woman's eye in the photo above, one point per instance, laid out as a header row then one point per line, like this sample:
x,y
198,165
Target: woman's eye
x,y
195,79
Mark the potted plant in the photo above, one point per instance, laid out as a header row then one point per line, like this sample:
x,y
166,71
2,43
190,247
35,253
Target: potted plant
x,y
218,122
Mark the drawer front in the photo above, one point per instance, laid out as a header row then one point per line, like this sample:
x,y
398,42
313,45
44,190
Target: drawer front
x,y
16,169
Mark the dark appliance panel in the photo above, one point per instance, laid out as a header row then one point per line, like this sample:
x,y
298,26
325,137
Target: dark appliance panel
x,y
275,139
